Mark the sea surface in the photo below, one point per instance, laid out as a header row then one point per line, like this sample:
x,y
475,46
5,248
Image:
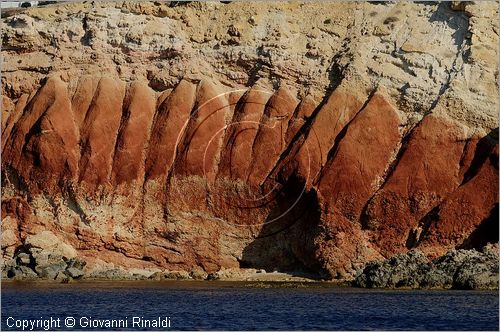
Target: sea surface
x,y
240,306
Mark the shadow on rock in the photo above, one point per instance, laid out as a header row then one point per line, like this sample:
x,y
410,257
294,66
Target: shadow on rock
x,y
286,241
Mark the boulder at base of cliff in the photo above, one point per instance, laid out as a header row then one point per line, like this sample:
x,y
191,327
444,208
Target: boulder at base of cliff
x,y
458,269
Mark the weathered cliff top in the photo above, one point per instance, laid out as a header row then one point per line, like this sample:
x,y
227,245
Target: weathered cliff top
x,y
419,52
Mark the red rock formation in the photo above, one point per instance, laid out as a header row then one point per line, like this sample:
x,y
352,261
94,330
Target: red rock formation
x,y
200,148
43,142
270,139
99,133
241,133
302,114
310,153
359,162
11,118
170,121
426,172
133,136
353,173
83,97
472,203
201,176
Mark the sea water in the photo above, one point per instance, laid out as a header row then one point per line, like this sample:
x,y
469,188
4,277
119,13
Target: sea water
x,y
240,306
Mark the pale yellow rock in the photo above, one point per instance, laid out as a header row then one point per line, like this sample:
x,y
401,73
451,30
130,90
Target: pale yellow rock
x,y
9,239
431,45
46,240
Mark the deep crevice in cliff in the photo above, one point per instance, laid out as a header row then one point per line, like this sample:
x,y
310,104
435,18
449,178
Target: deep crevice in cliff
x,y
286,241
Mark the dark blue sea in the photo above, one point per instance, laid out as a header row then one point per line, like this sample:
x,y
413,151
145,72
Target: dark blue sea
x,y
240,306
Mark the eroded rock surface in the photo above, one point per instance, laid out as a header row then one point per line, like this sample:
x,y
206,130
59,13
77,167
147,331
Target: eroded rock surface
x,y
458,269
152,137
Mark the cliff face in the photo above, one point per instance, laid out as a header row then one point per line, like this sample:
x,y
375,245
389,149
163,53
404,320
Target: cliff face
x,y
236,135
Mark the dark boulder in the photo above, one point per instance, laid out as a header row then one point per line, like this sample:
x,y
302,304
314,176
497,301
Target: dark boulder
x,y
458,269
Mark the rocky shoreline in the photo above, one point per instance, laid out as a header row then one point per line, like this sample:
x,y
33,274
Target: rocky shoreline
x,y
39,261
457,269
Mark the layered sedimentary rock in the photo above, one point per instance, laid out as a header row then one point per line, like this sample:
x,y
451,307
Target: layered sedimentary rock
x,y
206,171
